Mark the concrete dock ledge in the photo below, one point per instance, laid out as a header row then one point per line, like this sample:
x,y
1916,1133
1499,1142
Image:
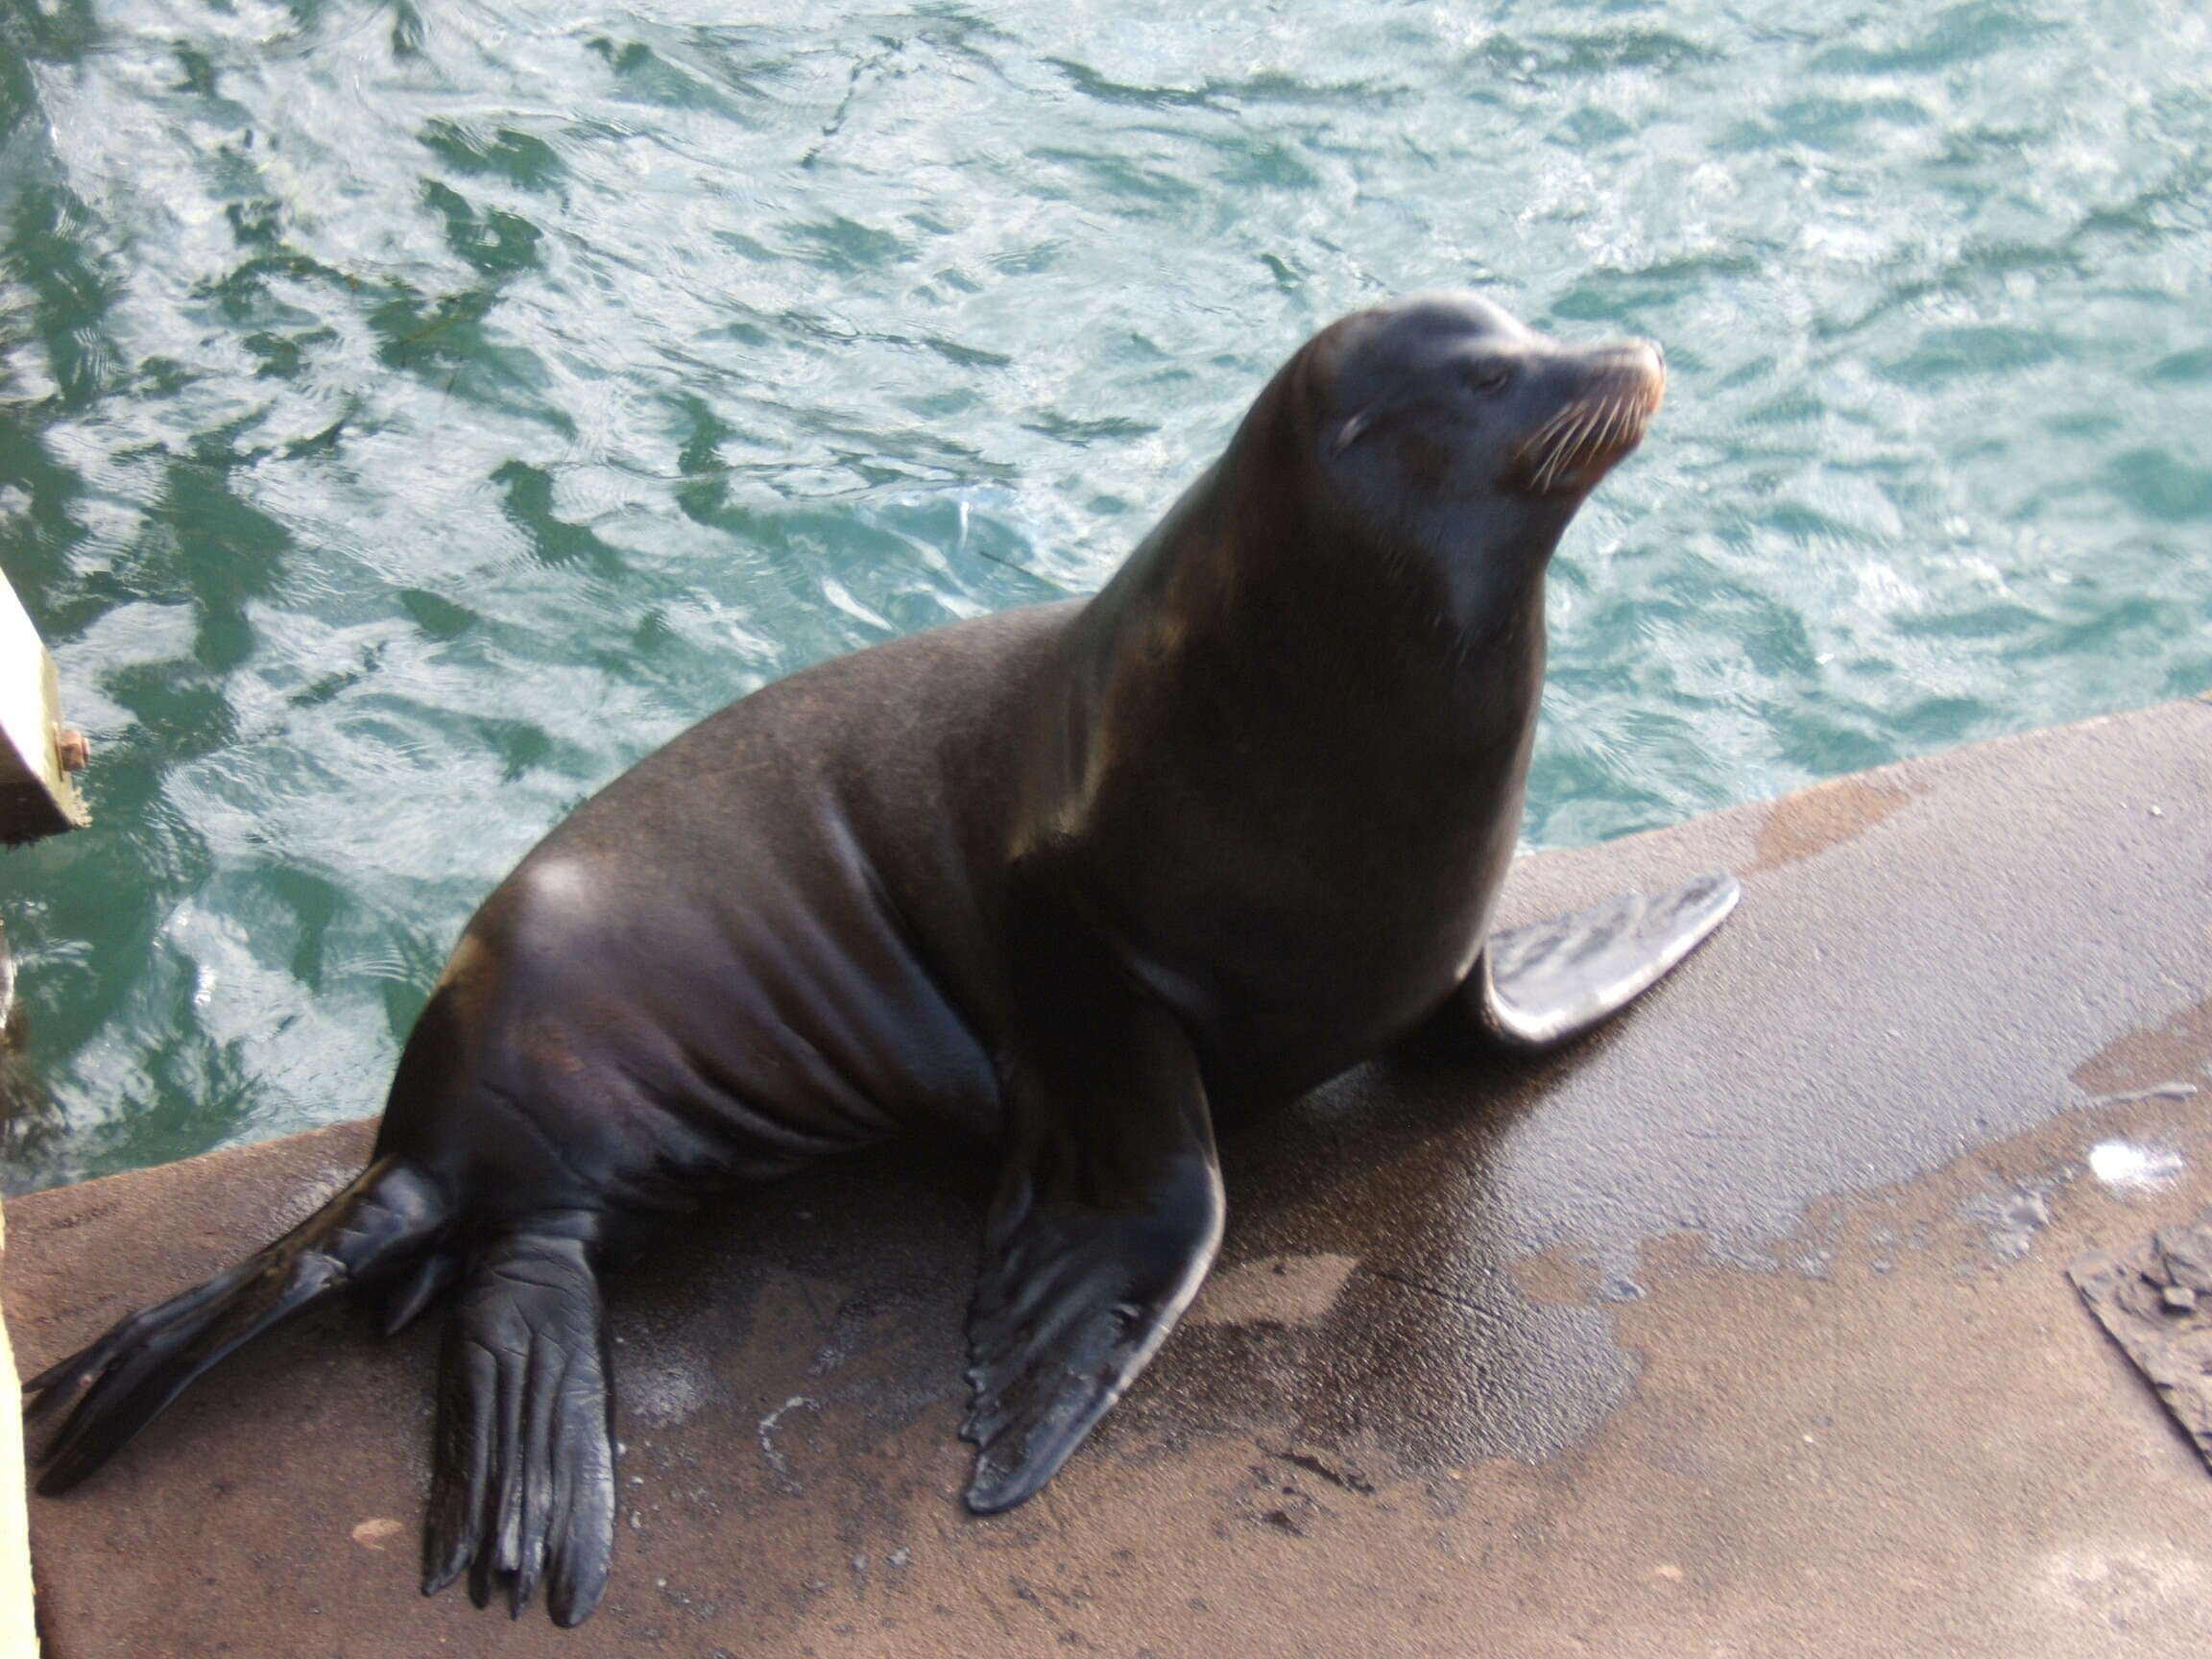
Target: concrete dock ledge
x,y
1741,1328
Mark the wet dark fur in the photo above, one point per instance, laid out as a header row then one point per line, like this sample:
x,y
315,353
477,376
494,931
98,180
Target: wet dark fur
x,y
1073,879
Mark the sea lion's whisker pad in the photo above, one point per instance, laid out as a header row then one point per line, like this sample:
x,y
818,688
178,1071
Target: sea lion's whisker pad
x,y
1031,874
1609,409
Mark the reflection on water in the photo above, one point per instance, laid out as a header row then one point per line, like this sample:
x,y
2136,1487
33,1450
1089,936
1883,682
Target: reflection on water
x,y
409,416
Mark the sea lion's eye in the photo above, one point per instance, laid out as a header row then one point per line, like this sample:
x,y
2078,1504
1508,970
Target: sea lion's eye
x,y
1489,377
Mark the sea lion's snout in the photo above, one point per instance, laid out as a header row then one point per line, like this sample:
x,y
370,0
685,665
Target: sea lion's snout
x,y
1607,395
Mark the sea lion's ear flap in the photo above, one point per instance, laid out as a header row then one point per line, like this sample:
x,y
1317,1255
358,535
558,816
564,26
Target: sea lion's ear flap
x,y
1551,982
1108,1216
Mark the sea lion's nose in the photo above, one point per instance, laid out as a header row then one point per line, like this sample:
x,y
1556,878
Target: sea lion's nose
x,y
1636,365
1645,359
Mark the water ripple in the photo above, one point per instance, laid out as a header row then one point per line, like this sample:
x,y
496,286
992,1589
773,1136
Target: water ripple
x,y
408,415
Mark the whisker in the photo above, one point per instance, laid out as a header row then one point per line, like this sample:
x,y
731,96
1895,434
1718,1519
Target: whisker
x,y
1629,418
1586,429
1610,429
1586,437
1535,441
1572,444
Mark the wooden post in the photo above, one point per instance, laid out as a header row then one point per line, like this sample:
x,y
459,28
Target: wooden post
x,y
37,754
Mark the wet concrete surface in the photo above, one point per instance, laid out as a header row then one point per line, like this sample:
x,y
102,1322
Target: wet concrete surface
x,y
1739,1329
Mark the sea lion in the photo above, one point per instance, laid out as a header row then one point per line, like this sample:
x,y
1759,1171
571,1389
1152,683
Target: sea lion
x,y
1075,878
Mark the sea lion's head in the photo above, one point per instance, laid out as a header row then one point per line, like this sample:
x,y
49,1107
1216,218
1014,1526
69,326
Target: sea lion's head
x,y
1443,416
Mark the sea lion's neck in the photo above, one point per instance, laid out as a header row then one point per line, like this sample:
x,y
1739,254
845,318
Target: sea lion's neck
x,y
1294,606
1256,643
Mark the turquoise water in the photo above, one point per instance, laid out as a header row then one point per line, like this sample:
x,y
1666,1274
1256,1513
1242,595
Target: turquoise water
x,y
409,415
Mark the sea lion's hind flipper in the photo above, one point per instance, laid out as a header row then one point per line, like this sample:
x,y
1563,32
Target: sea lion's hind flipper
x,y
1552,980
522,1483
1072,1301
391,1215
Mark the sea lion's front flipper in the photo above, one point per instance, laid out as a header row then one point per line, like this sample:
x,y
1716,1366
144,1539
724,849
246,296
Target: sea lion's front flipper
x,y
522,1478
1552,980
1108,1216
